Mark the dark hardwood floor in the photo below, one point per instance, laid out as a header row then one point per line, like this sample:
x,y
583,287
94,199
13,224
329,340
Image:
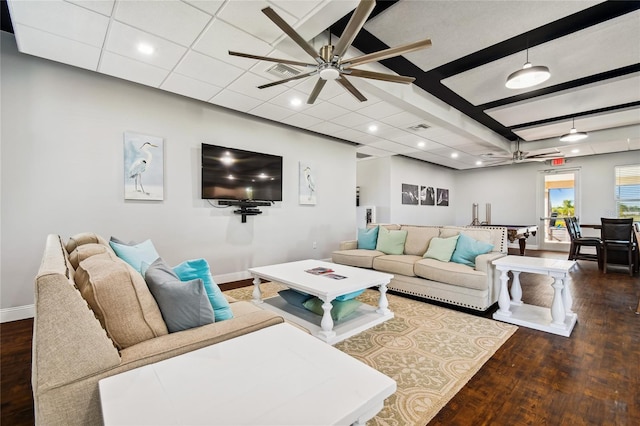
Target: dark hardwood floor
x,y
535,378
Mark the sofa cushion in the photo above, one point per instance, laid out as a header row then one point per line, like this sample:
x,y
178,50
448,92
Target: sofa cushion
x,y
199,268
357,257
85,251
467,249
451,273
396,264
183,304
389,226
339,310
391,242
136,254
293,297
441,248
120,299
84,238
367,238
418,238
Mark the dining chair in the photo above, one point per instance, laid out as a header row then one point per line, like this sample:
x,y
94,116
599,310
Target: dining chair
x,y
617,236
578,241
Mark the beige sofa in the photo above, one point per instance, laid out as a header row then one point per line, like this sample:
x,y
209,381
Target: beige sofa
x,y
71,349
449,282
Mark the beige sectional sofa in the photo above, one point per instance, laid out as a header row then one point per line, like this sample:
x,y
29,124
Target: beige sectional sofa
x,y
71,349
474,287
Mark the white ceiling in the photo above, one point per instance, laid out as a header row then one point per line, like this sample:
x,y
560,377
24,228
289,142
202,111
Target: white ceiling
x,y
191,39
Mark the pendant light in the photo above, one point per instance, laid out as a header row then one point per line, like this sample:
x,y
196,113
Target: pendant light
x,y
528,76
573,135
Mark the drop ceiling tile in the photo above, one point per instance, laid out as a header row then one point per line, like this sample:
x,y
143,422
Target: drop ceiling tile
x,y
248,84
403,120
103,7
173,20
55,48
210,70
617,91
301,120
296,8
392,147
380,110
347,100
325,110
327,128
352,119
62,19
219,38
375,152
124,40
210,6
128,69
292,99
189,87
236,101
248,16
354,136
365,127
271,111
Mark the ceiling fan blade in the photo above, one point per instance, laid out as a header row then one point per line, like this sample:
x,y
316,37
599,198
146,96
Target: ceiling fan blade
x,y
347,85
295,77
388,53
271,14
380,76
359,17
316,90
266,58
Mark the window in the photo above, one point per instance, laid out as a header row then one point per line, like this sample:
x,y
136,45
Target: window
x,y
627,191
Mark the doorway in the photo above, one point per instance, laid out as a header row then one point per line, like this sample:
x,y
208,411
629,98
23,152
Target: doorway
x,y
559,198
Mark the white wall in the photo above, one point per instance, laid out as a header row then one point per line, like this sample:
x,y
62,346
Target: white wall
x,y
373,179
62,160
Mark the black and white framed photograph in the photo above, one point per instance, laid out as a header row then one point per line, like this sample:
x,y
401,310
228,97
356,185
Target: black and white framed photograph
x,y
427,196
143,167
409,194
442,197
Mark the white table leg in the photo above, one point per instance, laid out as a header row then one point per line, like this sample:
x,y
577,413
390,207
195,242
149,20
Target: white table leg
x,y
516,289
557,306
566,297
503,297
383,303
327,322
257,294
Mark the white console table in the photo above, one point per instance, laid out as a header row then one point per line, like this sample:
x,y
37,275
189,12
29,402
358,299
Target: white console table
x,y
560,319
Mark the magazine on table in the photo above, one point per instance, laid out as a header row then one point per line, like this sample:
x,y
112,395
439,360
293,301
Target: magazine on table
x,y
325,272
334,276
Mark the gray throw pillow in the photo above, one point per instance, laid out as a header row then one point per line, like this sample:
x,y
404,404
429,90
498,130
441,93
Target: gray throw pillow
x,y
183,304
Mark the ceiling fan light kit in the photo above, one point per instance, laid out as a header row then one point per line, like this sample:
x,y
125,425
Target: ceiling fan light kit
x,y
573,135
329,62
528,76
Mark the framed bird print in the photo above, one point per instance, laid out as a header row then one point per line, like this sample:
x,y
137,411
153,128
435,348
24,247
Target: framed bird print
x,y
143,167
307,188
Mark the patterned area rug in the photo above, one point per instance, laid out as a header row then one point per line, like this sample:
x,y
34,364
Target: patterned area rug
x,y
431,352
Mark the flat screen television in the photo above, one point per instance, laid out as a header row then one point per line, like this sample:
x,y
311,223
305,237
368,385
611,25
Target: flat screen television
x,y
235,174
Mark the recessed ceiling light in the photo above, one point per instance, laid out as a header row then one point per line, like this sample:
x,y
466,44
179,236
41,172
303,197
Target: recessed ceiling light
x,y
145,48
421,144
454,155
478,163
373,128
575,151
296,102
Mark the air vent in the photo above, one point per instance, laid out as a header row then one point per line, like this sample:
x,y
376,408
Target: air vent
x,y
360,155
283,71
418,127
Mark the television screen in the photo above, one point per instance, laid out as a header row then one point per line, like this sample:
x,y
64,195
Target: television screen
x,y
234,174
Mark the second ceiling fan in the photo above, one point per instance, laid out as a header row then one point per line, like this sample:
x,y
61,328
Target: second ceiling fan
x,y
329,62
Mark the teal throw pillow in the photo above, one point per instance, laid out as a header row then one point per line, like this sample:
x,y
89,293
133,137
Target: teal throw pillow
x,y
468,248
391,242
183,305
199,268
367,238
339,311
294,298
349,296
135,254
441,248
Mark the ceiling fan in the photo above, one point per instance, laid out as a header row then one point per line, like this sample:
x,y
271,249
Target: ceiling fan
x,y
329,62
519,156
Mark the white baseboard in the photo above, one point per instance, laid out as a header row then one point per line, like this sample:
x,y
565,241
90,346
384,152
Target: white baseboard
x,y
17,313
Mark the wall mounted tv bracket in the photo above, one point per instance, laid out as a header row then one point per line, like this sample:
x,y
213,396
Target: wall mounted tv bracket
x,y
247,207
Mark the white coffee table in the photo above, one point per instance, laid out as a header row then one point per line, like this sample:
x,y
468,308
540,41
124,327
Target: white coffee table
x,y
560,319
278,375
293,275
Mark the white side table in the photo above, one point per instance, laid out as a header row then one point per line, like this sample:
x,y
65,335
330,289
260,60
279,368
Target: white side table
x,y
560,319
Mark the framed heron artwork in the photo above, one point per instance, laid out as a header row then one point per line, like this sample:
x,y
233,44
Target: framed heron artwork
x,y
143,167
307,184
